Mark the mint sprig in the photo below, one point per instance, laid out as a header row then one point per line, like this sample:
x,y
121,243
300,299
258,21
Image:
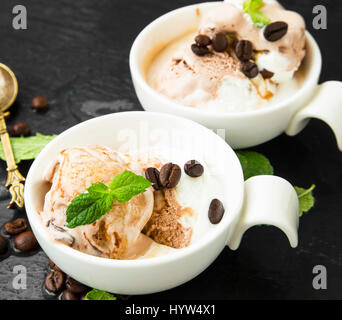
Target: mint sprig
x,y
96,294
306,199
88,207
27,148
255,164
251,7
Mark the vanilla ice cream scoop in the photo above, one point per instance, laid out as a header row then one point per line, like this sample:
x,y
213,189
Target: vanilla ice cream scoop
x,y
71,174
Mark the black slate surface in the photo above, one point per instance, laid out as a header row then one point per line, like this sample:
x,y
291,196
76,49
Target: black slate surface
x,y
75,53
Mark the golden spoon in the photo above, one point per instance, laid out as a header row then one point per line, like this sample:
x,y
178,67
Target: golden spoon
x,y
8,94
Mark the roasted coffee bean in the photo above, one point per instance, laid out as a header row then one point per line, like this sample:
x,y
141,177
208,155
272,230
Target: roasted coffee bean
x,y
193,168
244,50
3,245
170,175
20,129
152,174
54,281
15,227
266,74
26,241
68,295
220,42
74,286
216,211
199,50
54,267
250,69
39,103
202,40
275,31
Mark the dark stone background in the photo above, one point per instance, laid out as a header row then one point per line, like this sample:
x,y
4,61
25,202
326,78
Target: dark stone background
x,y
75,53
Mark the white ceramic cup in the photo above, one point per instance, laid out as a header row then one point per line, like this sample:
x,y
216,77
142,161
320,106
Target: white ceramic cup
x,y
243,129
261,200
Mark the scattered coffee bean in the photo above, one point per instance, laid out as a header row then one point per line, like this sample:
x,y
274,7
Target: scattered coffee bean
x,y
74,286
3,245
152,174
26,241
54,281
15,227
68,295
20,129
193,168
199,50
244,50
39,103
275,31
216,211
266,74
220,42
170,175
250,69
54,267
202,40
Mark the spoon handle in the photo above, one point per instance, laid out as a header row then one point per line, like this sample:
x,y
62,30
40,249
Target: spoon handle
x,y
14,179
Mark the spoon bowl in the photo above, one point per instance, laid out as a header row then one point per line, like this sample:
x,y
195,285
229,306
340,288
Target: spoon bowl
x,y
8,87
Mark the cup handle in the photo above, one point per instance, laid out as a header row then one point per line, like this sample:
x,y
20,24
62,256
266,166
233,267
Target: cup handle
x,y
326,105
269,200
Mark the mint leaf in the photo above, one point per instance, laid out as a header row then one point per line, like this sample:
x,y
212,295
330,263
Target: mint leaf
x,y
27,148
98,188
88,207
306,199
259,19
251,7
96,294
254,164
127,184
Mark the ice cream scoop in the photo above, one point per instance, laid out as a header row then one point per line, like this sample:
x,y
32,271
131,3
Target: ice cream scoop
x,y
72,173
244,67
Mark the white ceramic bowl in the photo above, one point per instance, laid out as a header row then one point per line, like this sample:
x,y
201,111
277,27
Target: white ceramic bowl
x,y
164,272
244,129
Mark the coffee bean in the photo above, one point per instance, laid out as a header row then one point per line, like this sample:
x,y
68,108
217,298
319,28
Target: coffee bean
x,y
244,50
216,211
54,281
193,168
266,74
202,40
20,129
170,175
220,42
68,295
275,31
3,245
15,227
250,69
199,50
26,241
54,267
152,174
74,286
39,103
